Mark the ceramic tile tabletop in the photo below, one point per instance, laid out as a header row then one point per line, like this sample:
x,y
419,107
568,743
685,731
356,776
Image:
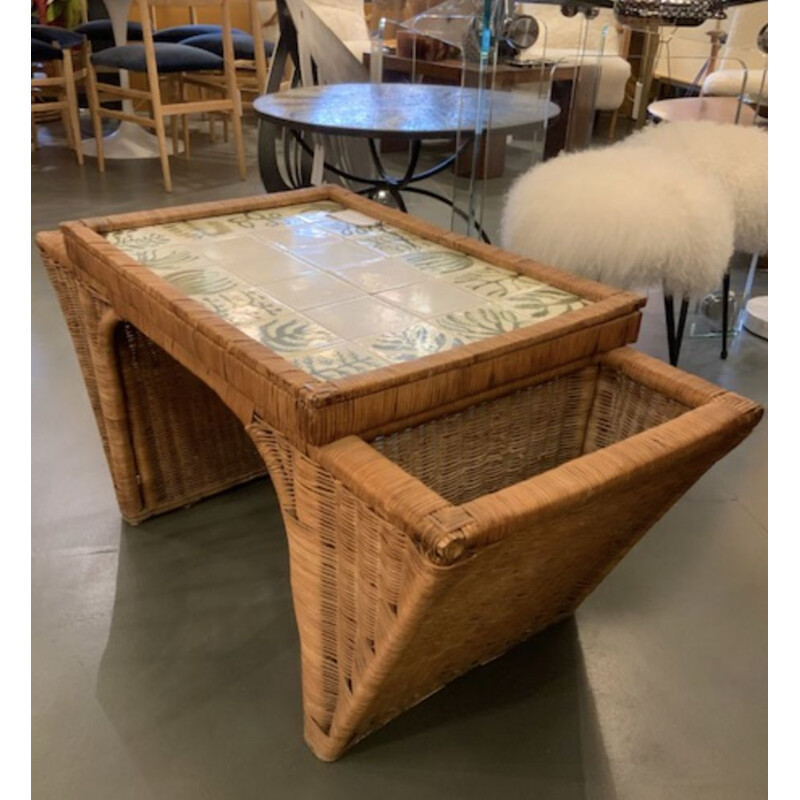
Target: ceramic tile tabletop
x,y
336,292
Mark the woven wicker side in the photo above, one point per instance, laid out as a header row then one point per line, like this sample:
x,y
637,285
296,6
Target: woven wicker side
x,y
188,444
62,279
169,440
386,619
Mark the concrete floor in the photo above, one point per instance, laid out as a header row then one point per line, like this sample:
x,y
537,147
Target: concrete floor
x,y
165,657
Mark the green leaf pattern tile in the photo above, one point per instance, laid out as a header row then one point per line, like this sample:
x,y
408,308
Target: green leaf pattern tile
x,y
411,343
291,334
542,303
492,282
138,238
389,243
244,307
336,363
169,258
202,281
199,228
479,323
439,262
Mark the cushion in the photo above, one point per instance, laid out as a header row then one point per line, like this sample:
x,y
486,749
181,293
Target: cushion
x,y
180,32
614,73
54,35
41,51
631,217
243,45
100,30
728,83
169,58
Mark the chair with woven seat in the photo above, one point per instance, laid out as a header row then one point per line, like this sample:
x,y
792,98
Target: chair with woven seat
x,y
54,45
160,59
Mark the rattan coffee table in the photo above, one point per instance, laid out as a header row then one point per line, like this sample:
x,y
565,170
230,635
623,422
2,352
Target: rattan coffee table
x,y
461,444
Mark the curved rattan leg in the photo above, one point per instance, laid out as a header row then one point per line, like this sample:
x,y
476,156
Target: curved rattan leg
x,y
169,439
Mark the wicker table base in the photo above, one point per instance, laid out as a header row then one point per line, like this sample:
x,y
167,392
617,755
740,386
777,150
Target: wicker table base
x,y
421,549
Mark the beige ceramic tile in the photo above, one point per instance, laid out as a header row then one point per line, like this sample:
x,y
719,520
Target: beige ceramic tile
x,y
291,237
291,333
343,228
365,316
416,341
335,256
311,290
378,276
352,217
431,297
338,362
254,261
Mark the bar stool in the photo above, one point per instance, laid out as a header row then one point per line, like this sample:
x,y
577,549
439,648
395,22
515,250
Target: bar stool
x,y
627,216
737,157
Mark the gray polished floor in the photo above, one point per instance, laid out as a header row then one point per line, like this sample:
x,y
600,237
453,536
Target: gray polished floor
x,y
165,657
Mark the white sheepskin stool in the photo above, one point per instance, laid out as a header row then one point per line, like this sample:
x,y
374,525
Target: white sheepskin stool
x,y
737,156
626,216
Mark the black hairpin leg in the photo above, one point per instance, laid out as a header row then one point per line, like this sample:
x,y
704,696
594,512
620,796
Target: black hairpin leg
x,y
675,334
726,290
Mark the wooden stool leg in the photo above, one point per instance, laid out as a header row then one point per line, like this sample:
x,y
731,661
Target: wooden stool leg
x,y
161,133
239,140
72,110
64,104
95,111
185,122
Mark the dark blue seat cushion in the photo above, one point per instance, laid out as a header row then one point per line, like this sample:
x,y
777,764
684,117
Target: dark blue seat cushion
x,y
181,32
244,45
53,35
169,58
100,30
41,51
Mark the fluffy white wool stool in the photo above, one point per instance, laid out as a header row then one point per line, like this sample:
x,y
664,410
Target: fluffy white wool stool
x,y
626,216
736,155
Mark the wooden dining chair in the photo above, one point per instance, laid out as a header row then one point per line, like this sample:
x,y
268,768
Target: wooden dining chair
x,y
162,63
55,92
250,53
